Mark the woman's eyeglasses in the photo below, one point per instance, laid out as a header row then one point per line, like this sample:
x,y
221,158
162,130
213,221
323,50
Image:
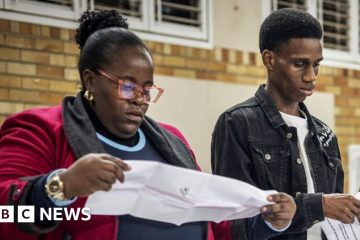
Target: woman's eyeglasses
x,y
130,90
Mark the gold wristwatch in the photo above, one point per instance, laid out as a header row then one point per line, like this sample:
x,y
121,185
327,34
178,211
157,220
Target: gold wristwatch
x,y
55,188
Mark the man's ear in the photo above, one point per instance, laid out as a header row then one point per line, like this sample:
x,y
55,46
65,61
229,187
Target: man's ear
x,y
88,78
268,58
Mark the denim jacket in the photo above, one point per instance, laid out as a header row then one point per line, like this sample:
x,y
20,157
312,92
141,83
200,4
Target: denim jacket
x,y
251,142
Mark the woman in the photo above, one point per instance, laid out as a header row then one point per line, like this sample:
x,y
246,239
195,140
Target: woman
x,y
68,152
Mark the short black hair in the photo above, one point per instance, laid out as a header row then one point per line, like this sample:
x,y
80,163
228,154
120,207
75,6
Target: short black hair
x,y
100,36
284,24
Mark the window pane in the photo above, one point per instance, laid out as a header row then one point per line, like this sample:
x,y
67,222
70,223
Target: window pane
x,y
131,8
185,12
61,9
299,4
336,24
67,3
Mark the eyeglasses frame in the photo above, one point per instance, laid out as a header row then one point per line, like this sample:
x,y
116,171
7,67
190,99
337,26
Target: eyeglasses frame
x,y
138,90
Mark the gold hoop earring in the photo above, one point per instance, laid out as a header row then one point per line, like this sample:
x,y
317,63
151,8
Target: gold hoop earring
x,y
88,96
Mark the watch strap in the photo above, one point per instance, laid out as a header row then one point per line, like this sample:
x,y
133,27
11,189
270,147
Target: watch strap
x,y
57,202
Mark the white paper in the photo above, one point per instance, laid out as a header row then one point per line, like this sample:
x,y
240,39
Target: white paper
x,y
161,192
336,230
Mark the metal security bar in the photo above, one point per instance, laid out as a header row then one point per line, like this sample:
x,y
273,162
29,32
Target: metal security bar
x,y
183,12
131,8
299,4
68,3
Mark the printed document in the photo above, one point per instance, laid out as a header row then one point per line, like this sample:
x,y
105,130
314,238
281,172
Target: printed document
x,y
336,230
166,193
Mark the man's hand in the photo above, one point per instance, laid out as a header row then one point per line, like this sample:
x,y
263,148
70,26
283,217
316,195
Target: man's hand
x,y
341,207
91,173
281,212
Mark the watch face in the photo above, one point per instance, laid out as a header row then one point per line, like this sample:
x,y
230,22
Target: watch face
x,y
54,186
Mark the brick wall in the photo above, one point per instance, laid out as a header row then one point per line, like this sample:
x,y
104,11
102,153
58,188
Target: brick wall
x,y
38,66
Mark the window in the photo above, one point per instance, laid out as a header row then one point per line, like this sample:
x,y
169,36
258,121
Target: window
x,y
340,22
289,4
175,21
183,18
333,14
335,20
63,9
186,17
134,10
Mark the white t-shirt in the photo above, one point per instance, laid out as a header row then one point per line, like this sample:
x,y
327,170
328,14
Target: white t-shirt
x,y
302,129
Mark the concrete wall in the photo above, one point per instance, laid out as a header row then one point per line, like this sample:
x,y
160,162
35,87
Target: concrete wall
x,y
236,24
194,106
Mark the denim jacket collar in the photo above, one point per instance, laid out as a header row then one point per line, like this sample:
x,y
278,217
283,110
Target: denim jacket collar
x,y
273,114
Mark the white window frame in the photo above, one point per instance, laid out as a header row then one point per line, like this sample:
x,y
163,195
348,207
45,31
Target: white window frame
x,y
178,29
135,23
147,28
332,57
46,9
161,32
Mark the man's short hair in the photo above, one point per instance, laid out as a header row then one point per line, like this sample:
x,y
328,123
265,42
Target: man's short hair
x,y
284,24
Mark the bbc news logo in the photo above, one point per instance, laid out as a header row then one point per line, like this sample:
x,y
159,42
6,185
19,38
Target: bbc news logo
x,y
26,213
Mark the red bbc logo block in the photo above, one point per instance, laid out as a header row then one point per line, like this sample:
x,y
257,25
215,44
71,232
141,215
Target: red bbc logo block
x,y
6,213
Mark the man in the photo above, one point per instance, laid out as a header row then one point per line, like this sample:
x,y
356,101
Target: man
x,y
271,140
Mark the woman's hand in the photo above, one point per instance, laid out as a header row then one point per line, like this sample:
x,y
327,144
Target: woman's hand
x,y
91,173
281,212
341,207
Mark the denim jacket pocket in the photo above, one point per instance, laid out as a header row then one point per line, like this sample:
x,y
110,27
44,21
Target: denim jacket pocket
x,y
271,163
333,164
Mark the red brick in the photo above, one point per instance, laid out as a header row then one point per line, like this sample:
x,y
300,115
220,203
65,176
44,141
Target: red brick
x,y
239,57
178,50
45,31
35,83
225,55
51,98
55,32
10,107
4,94
35,30
14,27
4,25
341,81
10,81
49,45
50,71
71,48
20,42
164,70
252,59
72,34
9,54
35,57
205,75
24,95
21,69
25,28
